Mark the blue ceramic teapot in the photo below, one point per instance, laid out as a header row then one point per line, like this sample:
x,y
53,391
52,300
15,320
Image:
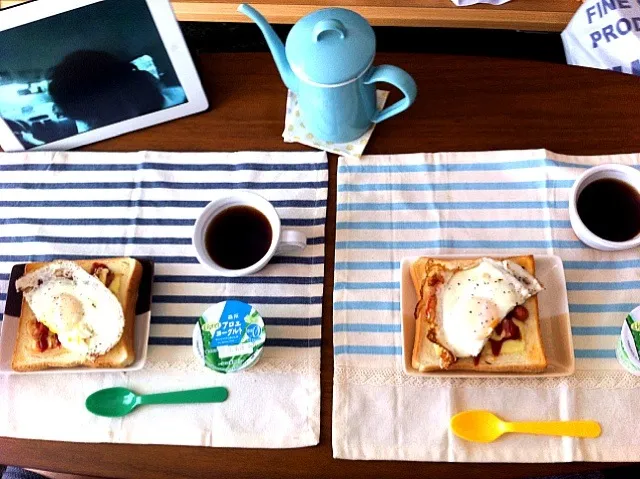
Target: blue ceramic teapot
x,y
328,63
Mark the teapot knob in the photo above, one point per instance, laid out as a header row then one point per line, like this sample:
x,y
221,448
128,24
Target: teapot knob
x,y
324,26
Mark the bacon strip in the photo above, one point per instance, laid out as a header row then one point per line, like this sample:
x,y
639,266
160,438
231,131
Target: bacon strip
x,y
426,311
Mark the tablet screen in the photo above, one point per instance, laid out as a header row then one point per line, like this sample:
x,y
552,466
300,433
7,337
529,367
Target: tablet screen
x,y
84,69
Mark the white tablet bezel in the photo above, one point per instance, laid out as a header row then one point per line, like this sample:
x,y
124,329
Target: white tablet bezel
x,y
176,48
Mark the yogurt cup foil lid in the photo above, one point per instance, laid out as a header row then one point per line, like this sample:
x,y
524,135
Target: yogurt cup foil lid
x,y
628,349
229,336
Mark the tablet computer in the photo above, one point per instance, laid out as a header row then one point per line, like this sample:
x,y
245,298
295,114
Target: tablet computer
x,y
74,72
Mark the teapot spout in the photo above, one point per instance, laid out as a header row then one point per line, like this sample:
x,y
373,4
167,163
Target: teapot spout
x,y
275,45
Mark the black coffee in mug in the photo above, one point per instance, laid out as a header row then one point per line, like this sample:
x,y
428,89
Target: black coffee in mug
x,y
238,237
610,209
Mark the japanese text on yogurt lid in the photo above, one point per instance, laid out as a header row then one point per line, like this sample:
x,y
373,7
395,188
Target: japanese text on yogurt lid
x,y
229,336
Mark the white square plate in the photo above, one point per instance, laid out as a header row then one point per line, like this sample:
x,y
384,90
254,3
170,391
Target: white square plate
x,y
12,320
555,324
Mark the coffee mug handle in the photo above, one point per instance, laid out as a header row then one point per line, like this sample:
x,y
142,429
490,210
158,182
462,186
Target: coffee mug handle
x,y
291,241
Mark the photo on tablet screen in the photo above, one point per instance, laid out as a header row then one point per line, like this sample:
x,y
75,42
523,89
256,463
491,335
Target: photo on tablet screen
x,y
84,69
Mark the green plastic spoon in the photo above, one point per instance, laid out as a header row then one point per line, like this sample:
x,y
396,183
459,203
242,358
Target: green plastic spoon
x,y
116,402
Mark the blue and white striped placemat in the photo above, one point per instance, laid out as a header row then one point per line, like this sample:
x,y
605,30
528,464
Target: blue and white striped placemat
x,y
481,203
86,205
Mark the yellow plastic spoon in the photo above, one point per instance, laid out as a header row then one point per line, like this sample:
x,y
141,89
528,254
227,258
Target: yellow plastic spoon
x,y
483,426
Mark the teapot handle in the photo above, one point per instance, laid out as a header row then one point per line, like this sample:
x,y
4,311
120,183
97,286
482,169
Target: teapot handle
x,y
398,78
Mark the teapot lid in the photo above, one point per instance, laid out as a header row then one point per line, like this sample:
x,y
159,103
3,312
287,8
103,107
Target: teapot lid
x,y
330,46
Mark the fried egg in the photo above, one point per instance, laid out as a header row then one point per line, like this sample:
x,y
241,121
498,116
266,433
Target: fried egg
x,y
474,301
75,305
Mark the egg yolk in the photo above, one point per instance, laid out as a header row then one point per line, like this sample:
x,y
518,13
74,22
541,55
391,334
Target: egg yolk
x,y
69,311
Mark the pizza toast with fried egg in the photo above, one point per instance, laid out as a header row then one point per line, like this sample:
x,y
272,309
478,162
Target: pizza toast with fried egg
x,y
37,347
515,341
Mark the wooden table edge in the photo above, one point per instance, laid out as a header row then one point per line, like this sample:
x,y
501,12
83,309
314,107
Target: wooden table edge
x,y
517,17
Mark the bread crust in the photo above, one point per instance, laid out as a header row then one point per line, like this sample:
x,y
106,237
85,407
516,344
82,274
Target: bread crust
x,y
26,356
426,355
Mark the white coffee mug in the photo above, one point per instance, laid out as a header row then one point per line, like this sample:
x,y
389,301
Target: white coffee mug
x,y
282,241
629,175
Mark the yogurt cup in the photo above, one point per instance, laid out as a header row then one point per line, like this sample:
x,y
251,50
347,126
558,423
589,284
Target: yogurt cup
x,y
229,336
628,348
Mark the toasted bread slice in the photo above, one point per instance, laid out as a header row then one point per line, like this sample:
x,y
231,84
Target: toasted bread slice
x,y
124,284
522,356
